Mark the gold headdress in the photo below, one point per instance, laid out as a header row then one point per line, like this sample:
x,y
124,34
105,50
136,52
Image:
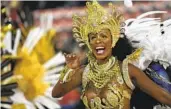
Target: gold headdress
x,y
97,18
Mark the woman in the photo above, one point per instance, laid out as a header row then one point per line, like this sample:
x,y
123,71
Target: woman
x,y
107,83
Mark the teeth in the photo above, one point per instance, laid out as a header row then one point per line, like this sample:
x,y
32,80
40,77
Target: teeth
x,y
100,50
99,47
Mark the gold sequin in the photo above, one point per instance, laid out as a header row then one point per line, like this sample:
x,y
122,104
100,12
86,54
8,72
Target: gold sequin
x,y
114,98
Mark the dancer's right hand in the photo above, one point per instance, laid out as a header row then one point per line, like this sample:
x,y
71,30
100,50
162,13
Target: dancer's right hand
x,y
72,61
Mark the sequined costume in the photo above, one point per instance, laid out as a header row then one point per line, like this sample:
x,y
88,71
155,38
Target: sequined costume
x,y
115,82
107,86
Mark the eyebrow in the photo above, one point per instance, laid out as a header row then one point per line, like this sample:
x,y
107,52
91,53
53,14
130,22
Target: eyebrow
x,y
91,34
103,33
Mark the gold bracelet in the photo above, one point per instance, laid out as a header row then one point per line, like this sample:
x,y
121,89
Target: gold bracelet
x,y
64,77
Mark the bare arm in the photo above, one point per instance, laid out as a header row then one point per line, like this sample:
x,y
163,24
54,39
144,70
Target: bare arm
x,y
72,62
148,86
61,89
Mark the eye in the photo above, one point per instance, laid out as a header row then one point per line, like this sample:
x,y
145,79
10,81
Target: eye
x,y
104,36
93,37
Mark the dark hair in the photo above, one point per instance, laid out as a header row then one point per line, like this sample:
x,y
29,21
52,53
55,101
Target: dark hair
x,y
122,48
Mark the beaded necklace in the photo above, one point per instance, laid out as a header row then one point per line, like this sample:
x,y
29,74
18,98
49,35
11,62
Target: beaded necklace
x,y
102,74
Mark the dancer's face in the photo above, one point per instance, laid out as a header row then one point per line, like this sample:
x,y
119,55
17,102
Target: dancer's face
x,y
101,44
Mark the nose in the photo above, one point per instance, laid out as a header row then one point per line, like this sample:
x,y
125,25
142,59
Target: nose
x,y
98,40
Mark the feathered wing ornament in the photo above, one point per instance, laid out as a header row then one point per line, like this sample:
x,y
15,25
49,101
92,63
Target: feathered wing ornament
x,y
146,33
36,70
154,36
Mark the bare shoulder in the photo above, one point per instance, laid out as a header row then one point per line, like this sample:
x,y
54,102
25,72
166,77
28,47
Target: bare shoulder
x,y
134,71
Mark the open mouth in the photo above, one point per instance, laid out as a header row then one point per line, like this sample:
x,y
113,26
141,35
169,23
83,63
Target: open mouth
x,y
100,50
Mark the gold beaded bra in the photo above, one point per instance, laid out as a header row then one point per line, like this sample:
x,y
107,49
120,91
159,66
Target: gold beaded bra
x,y
108,77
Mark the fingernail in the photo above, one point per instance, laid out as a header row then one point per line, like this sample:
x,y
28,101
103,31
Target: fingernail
x,y
64,53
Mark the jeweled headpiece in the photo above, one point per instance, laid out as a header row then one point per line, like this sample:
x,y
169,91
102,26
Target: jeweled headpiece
x,y
96,19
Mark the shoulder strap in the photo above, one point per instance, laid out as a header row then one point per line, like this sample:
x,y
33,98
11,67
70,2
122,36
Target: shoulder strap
x,y
134,56
126,76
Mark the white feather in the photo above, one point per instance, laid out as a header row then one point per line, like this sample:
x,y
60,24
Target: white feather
x,y
47,102
54,70
8,42
150,13
38,105
56,60
48,95
37,37
52,77
17,40
6,106
167,22
21,99
53,82
147,31
14,77
49,90
30,37
128,3
49,21
128,21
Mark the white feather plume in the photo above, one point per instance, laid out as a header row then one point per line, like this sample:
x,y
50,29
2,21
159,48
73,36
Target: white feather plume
x,y
39,105
21,99
47,102
54,70
17,40
146,33
56,60
8,42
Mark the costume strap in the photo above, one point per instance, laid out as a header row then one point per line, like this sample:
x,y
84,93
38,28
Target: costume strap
x,y
133,57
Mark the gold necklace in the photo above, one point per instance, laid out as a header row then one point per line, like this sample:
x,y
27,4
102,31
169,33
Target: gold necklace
x,y
102,74
104,67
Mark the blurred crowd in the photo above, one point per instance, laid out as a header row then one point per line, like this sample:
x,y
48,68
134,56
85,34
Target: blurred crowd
x,y
58,15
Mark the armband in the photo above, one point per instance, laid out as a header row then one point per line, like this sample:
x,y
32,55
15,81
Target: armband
x,y
64,75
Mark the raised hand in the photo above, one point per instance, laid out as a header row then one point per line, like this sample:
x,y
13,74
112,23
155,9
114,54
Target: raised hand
x,y
72,61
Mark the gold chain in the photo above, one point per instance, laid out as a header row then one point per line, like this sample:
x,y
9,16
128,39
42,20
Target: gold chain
x,y
104,74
